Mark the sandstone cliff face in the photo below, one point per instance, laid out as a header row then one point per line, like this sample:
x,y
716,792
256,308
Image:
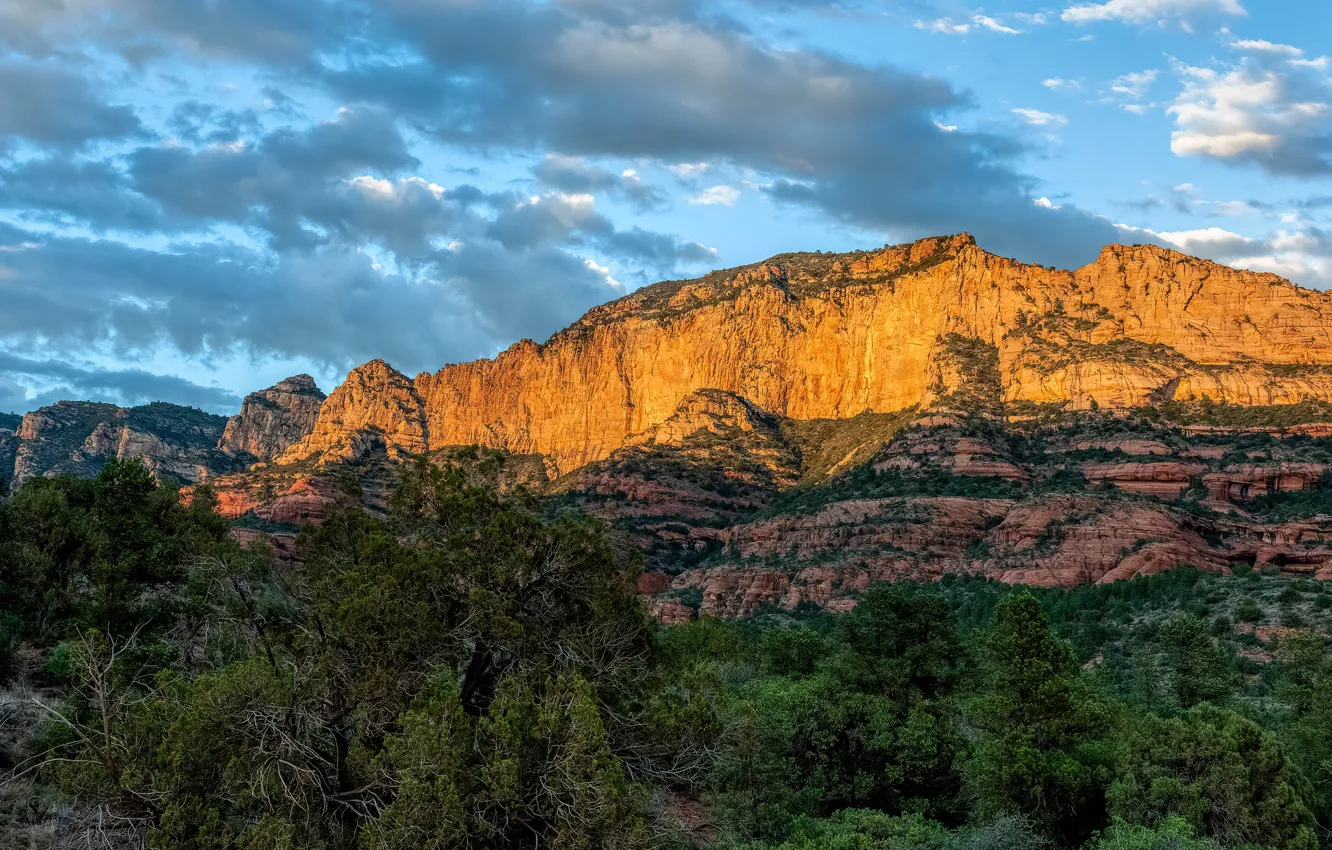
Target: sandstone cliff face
x,y
831,336
376,404
273,420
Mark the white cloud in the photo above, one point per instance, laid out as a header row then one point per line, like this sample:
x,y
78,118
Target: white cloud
x,y
1210,240
1036,118
1060,84
948,27
1301,256
605,273
1261,46
1231,208
404,188
690,169
993,25
1134,85
945,26
1046,203
1150,11
1273,110
373,186
724,195
947,128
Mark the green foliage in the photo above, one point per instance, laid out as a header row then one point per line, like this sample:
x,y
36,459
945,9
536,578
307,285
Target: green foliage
x,y
869,725
1218,771
464,671
1247,610
110,552
11,635
469,671
1041,754
1174,833
1286,505
1198,669
1306,688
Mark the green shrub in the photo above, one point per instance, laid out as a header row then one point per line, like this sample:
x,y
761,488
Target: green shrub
x,y
1247,610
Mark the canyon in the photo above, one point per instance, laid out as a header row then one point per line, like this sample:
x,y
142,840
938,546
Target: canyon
x,y
781,434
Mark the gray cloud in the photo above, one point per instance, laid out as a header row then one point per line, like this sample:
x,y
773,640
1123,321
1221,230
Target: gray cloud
x,y
1286,129
60,188
571,174
274,31
331,305
51,105
861,143
128,387
359,257
269,183
200,123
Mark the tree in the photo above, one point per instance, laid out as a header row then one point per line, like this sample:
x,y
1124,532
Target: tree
x,y
462,670
1041,753
1198,669
873,727
1174,833
1218,771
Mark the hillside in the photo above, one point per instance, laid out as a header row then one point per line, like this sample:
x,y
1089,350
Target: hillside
x,y
965,579
785,433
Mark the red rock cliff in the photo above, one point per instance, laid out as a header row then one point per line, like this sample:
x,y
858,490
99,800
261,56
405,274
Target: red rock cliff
x,y
813,336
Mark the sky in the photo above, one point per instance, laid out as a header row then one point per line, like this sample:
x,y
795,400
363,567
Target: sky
x,y
201,197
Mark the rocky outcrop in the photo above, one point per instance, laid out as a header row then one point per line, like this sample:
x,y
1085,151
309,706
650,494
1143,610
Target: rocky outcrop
x,y
9,442
273,420
375,406
679,483
1241,484
76,438
1164,479
824,336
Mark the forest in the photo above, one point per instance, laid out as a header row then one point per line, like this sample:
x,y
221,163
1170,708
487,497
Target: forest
x,y
471,671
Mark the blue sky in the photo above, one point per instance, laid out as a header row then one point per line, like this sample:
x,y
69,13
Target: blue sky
x,y
201,197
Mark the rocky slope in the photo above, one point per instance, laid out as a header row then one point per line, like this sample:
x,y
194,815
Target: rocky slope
x,y
830,336
178,443
77,438
784,433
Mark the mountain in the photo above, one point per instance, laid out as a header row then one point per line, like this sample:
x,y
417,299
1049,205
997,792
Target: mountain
x,y
783,434
76,437
830,336
178,443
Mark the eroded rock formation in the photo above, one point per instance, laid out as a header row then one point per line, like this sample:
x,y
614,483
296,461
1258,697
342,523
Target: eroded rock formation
x,y
272,420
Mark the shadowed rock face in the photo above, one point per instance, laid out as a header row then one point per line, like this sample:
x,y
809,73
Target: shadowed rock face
x,y
77,438
938,323
177,443
272,420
